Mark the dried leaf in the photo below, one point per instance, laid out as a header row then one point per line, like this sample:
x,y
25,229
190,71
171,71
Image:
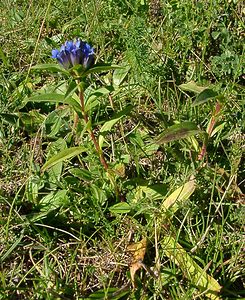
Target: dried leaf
x,y
191,270
179,196
138,250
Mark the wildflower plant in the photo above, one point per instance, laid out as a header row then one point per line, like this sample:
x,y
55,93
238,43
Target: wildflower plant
x,y
76,60
78,56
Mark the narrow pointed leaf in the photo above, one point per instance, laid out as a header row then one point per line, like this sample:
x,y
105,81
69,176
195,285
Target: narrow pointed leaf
x,y
191,270
177,132
72,87
92,98
63,155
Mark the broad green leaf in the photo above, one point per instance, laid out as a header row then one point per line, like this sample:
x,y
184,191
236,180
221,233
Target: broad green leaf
x,y
120,74
101,68
56,98
191,270
179,196
82,174
30,119
92,99
153,192
204,96
177,132
63,155
192,87
51,68
33,185
109,124
120,208
56,122
53,201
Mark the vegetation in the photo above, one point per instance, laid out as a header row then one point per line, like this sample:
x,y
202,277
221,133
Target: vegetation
x,y
138,193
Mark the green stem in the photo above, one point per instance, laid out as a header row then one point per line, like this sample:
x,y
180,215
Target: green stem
x,y
86,119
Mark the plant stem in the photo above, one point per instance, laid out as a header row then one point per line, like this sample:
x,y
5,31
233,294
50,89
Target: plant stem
x,y
86,119
210,128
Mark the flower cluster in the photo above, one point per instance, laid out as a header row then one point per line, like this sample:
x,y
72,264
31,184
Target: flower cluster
x,y
74,53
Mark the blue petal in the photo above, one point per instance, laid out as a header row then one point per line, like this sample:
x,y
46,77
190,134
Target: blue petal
x,y
55,53
75,56
64,59
78,44
69,46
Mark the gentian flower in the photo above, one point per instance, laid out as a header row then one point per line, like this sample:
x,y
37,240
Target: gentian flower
x,y
74,53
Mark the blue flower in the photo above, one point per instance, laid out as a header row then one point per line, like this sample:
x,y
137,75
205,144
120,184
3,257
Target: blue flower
x,y
74,53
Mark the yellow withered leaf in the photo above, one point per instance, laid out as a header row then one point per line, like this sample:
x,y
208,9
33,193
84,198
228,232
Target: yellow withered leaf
x,y
138,250
191,270
179,196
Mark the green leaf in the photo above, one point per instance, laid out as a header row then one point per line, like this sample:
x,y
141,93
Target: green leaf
x,y
120,208
82,174
179,196
56,98
153,192
218,128
191,270
204,96
101,68
63,155
177,132
51,68
191,87
53,201
120,74
109,124
91,99
16,243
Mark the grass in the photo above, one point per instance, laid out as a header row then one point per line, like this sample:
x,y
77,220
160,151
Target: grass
x,y
67,229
